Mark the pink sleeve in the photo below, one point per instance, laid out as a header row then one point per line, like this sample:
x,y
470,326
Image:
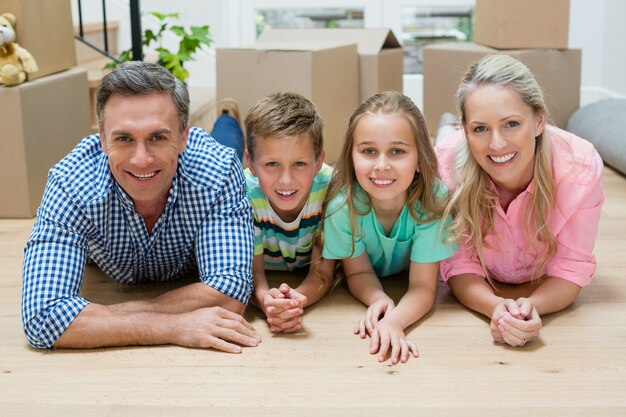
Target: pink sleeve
x,y
446,150
462,262
574,260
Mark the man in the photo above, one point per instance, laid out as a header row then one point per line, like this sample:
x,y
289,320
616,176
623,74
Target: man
x,y
149,199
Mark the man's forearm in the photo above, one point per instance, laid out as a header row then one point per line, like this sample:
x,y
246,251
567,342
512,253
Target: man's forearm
x,y
188,298
100,326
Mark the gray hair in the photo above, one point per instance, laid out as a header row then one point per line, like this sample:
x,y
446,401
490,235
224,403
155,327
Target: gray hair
x,y
135,78
506,71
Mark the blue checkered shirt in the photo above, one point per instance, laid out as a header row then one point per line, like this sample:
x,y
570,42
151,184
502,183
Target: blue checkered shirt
x,y
84,214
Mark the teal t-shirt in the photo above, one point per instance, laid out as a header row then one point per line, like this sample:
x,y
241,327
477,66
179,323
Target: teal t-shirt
x,y
408,241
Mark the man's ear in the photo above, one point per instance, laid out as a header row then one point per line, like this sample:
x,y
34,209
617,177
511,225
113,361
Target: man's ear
x,y
183,140
249,160
102,142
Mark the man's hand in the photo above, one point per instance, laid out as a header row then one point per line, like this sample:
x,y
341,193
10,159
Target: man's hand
x,y
215,327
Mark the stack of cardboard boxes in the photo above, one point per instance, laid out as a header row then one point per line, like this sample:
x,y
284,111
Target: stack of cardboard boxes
x,y
42,119
334,68
532,31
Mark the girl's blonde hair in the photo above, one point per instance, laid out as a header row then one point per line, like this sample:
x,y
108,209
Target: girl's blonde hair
x,y
424,183
473,203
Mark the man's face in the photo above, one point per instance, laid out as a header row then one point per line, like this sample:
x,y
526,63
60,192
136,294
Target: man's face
x,y
142,140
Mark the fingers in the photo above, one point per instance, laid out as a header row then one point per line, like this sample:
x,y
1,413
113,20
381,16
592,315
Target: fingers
x,y
513,308
394,344
289,326
374,342
236,334
360,328
277,306
517,332
525,307
238,319
224,346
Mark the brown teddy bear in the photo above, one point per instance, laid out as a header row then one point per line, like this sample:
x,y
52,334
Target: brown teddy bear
x,y
15,61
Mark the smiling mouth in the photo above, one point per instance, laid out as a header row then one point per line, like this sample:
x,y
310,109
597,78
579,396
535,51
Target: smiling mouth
x,y
502,159
382,182
286,193
144,177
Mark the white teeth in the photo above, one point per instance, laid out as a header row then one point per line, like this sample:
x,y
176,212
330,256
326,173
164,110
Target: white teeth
x,y
285,193
145,176
381,182
502,159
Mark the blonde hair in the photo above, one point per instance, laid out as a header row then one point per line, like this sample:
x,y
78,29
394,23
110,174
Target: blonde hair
x,y
284,114
424,183
473,203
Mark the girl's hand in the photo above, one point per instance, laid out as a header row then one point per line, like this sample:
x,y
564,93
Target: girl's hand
x,y
518,331
389,334
284,308
375,312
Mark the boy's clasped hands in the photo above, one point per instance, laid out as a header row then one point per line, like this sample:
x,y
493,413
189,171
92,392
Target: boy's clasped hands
x,y
284,308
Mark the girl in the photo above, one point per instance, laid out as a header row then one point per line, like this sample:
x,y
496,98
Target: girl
x,y
526,200
383,214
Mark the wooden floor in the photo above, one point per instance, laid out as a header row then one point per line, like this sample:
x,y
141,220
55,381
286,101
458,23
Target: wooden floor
x,y
577,368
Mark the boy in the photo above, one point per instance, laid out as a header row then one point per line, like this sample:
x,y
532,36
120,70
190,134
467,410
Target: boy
x,y
286,183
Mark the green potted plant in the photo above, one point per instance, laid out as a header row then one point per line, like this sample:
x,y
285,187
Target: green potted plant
x,y
190,41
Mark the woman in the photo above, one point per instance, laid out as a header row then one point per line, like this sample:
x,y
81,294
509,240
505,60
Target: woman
x,y
526,199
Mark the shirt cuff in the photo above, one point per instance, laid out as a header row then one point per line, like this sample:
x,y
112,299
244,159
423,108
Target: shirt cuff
x,y
44,329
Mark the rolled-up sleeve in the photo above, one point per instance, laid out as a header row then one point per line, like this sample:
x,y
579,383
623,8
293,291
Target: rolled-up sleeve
x,y
574,260
53,268
225,242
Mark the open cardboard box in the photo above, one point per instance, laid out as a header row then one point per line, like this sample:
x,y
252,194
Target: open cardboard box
x,y
380,54
324,72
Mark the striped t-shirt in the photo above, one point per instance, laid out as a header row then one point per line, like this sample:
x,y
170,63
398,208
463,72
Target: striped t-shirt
x,y
286,246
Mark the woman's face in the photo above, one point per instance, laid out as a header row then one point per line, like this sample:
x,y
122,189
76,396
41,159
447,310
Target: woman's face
x,y
501,131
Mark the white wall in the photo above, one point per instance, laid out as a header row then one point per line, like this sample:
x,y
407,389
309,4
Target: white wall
x,y
597,27
614,62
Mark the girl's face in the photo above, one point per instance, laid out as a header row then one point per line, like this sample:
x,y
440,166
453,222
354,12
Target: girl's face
x,y
385,159
501,131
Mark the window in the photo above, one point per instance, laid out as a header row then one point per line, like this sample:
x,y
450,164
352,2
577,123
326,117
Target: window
x,y
424,25
308,18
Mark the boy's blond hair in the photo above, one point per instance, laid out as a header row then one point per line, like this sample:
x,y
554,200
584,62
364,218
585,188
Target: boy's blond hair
x,y
284,114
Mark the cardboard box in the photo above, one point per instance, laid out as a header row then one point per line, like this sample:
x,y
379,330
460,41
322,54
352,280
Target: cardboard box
x,y
556,71
42,121
511,24
324,72
380,54
45,29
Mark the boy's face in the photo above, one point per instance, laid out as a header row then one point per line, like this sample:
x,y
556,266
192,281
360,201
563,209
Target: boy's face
x,y
285,167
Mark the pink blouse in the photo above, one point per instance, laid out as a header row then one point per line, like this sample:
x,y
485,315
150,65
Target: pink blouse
x,y
577,173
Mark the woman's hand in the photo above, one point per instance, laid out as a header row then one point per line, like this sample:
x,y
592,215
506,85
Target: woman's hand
x,y
516,324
